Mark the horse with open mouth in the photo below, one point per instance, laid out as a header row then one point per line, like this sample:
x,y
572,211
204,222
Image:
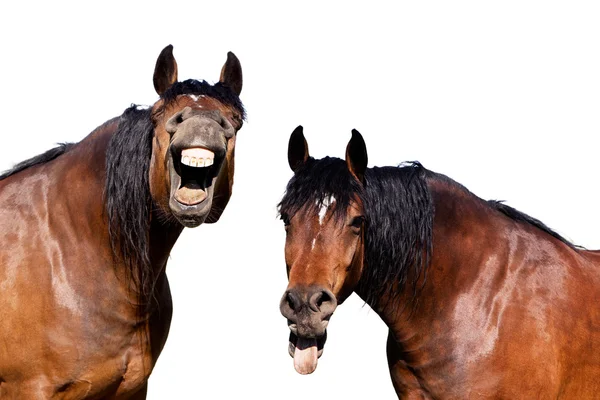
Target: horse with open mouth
x,y
86,231
480,299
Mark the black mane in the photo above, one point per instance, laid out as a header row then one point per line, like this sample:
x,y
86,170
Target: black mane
x,y
399,216
39,159
519,216
127,197
399,231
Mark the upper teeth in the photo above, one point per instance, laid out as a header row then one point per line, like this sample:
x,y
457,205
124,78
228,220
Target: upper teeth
x,y
197,162
197,157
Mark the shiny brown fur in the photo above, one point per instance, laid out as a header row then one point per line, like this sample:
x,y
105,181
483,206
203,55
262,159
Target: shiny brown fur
x,y
504,309
74,324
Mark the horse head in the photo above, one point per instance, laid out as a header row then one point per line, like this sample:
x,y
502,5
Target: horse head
x,y
195,126
324,221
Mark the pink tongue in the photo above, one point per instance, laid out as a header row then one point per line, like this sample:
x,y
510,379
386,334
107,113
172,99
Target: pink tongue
x,y
305,356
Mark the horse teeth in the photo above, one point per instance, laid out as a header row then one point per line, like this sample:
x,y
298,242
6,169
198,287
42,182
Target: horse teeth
x,y
197,157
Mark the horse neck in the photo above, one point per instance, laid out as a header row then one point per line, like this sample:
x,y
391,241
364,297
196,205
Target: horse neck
x,y
79,177
163,236
468,236
88,158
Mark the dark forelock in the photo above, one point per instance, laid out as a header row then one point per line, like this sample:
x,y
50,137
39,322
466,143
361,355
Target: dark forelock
x,y
219,91
316,180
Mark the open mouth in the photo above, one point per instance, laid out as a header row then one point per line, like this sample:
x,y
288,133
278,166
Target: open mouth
x,y
306,352
196,168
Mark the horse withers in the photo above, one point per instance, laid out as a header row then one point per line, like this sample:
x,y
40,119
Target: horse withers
x,y
481,300
86,230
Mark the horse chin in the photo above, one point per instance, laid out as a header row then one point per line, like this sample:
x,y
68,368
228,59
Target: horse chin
x,y
306,352
190,203
192,215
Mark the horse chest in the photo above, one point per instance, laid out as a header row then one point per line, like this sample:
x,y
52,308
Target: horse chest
x,y
94,350
110,373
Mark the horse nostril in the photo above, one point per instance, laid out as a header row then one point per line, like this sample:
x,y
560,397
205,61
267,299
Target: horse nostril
x,y
223,122
290,303
227,127
323,300
173,123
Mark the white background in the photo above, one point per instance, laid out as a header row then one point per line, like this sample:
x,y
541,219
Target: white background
x,y
503,97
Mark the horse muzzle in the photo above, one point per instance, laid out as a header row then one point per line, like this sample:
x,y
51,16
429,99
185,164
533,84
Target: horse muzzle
x,y
308,311
196,154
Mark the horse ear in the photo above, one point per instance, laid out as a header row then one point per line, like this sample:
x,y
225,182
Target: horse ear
x,y
165,72
297,149
356,156
231,73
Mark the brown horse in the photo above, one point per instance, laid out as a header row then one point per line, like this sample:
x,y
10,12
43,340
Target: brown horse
x,y
86,230
481,300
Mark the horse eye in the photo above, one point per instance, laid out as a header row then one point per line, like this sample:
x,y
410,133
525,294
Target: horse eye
x,y
357,222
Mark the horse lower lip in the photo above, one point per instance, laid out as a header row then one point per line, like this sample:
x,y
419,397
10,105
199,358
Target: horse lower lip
x,y
190,185
190,196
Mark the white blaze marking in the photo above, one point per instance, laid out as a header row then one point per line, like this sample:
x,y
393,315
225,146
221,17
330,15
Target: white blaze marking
x,y
322,212
194,97
326,203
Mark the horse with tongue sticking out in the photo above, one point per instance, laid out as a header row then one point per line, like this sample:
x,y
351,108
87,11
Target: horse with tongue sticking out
x,y
481,300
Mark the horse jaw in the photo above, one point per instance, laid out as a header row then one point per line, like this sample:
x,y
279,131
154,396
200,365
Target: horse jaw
x,y
190,202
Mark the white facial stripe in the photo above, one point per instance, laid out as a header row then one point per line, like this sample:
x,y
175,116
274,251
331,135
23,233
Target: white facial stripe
x,y
328,201
194,97
324,207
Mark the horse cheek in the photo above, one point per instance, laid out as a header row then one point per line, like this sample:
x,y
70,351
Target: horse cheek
x,y
223,184
159,179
